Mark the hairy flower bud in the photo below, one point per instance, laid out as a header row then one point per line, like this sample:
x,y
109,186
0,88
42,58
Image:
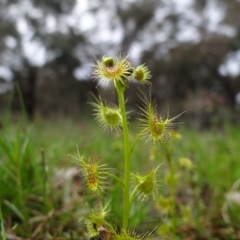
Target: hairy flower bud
x,y
106,116
147,184
155,127
94,175
142,74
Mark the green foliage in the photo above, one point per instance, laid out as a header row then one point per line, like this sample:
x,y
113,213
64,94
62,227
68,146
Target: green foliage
x,y
213,153
37,193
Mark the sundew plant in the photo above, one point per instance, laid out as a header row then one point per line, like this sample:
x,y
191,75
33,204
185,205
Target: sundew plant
x,y
153,128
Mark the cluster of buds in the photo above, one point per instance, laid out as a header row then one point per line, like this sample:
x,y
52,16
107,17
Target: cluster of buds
x,y
120,70
153,127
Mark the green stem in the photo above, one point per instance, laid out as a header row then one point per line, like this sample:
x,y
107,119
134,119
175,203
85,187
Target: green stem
x,y
172,193
44,174
133,194
135,141
198,211
121,102
115,177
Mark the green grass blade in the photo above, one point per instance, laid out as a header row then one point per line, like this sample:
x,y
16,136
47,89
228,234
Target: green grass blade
x,y
5,146
25,145
22,105
15,209
8,172
3,233
7,115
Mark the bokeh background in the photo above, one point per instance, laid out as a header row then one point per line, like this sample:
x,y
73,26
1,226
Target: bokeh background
x,y
192,48
47,47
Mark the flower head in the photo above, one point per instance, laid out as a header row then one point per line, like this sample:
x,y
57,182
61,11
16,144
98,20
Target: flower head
x,y
148,184
154,127
107,116
119,70
142,74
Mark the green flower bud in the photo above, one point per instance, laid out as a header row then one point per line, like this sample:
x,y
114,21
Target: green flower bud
x,y
155,127
147,184
107,116
142,74
108,61
112,116
95,175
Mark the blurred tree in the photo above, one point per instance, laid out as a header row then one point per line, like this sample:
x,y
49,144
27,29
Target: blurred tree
x,y
187,44
31,46
182,63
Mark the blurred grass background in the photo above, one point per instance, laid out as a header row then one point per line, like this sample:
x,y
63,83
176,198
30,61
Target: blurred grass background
x,y
42,195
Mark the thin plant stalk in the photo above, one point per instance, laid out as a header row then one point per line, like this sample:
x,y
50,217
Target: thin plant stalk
x,y
20,187
172,193
135,142
198,210
45,175
115,177
121,103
